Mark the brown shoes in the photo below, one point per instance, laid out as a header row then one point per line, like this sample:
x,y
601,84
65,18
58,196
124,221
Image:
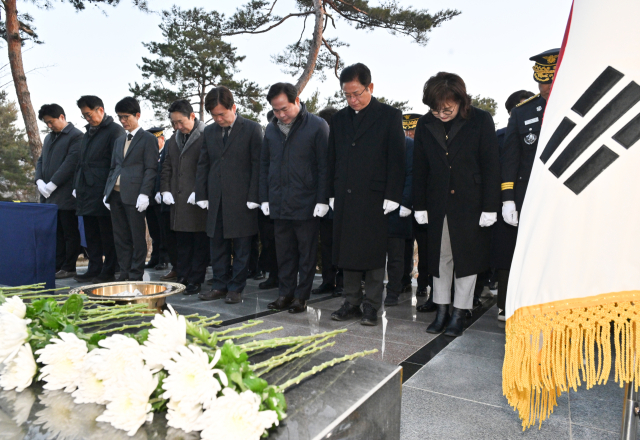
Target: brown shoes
x,y
282,303
298,306
212,295
171,276
233,297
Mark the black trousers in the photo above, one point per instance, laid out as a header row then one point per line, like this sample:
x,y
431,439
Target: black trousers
x,y
153,215
98,233
129,233
330,273
254,255
168,238
420,234
408,261
395,264
223,277
67,241
297,249
373,287
503,281
193,256
268,260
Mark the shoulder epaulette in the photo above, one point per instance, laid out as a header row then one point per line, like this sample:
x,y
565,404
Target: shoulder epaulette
x,y
530,99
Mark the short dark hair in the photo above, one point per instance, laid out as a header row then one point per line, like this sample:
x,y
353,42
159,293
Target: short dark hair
x,y
515,98
445,87
326,113
354,72
128,105
286,88
218,96
269,115
90,101
181,106
51,110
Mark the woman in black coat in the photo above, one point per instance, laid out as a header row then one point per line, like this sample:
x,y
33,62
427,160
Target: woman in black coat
x,y
456,175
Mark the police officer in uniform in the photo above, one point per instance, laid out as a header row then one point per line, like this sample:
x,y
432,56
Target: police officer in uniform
x,y
518,155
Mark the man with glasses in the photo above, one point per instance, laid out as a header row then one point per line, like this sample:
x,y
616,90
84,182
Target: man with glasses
x,y
366,180
129,187
89,182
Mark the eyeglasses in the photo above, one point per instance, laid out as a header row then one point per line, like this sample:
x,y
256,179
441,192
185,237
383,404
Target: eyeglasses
x,y
123,117
86,116
447,112
348,96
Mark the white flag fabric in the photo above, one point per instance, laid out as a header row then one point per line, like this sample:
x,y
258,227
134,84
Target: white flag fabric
x,y
576,265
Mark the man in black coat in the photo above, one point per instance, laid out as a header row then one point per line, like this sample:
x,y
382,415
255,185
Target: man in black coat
x,y
293,191
129,187
366,178
153,214
227,185
89,181
54,178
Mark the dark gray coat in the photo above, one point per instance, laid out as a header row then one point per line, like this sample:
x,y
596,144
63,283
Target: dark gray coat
x,y
178,177
137,170
366,166
94,166
459,178
293,170
58,163
228,175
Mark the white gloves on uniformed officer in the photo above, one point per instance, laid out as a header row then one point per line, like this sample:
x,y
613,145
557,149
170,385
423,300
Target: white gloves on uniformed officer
x,y
252,205
158,198
321,210
204,204
142,203
421,217
404,212
488,219
167,197
265,208
106,204
331,200
509,213
389,206
192,198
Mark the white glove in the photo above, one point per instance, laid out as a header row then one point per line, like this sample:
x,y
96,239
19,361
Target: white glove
x,y
204,204
158,198
331,200
252,205
42,187
404,212
168,198
73,193
265,208
389,206
509,213
321,210
488,219
192,198
142,203
421,217
50,187
106,204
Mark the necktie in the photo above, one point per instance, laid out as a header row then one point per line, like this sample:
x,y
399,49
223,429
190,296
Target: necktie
x,y
129,137
225,136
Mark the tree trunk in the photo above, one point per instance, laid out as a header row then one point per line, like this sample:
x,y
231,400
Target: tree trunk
x,y
314,49
20,80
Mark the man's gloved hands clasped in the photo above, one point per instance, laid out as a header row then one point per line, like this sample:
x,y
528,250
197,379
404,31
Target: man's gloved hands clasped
x,y
320,210
167,197
158,198
265,208
488,219
73,193
192,198
389,206
42,187
421,217
106,204
204,204
509,213
331,202
50,187
142,203
252,205
404,212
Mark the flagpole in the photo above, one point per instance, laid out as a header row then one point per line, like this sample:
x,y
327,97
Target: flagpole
x,y
630,410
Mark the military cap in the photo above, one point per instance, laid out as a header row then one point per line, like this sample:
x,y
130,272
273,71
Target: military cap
x,y
156,131
410,120
545,67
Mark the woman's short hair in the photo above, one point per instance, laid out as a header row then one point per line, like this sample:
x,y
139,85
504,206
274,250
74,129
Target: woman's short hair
x,y
445,87
515,98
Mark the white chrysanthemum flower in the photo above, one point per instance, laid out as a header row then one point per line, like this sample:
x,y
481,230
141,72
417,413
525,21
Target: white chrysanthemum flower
x,y
13,334
91,389
168,334
63,359
15,306
59,417
20,404
191,377
183,415
119,355
234,416
128,397
18,372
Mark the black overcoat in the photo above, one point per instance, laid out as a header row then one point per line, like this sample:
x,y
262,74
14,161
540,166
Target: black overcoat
x,y
228,175
93,167
459,178
402,227
366,166
58,163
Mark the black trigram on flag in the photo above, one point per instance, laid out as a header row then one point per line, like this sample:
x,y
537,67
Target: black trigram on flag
x,y
604,156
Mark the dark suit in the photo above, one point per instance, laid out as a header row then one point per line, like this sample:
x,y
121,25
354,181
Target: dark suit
x,y
57,164
228,178
155,224
137,171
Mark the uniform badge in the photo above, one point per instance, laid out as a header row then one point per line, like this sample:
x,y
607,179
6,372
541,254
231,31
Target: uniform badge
x,y
539,108
530,139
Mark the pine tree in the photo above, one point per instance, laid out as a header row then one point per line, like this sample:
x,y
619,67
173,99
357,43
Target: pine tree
x,y
16,169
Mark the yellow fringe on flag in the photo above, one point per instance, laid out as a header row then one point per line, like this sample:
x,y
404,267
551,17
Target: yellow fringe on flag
x,y
557,346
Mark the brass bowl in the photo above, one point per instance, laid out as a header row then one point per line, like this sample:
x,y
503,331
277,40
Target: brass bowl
x,y
154,292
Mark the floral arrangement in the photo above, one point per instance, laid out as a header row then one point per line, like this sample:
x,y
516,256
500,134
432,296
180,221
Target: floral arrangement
x,y
112,358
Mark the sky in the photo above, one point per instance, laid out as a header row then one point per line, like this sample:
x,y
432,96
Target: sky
x,y
97,51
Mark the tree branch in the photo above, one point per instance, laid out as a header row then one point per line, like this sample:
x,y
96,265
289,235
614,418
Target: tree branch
x,y
314,48
255,31
335,54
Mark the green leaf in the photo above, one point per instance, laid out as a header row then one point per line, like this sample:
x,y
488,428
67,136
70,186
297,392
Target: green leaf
x,y
142,336
51,321
254,383
73,306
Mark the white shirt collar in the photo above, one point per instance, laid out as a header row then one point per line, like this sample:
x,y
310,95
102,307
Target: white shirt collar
x,y
134,131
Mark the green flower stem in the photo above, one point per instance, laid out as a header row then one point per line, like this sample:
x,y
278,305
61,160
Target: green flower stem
x,y
275,359
124,327
30,286
302,353
248,335
206,322
292,340
251,323
105,310
111,316
319,368
29,294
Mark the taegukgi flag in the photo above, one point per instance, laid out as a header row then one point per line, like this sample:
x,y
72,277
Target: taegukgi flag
x,y
576,265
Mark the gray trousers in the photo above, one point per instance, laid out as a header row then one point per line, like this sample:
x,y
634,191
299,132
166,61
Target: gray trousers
x,y
463,298
373,287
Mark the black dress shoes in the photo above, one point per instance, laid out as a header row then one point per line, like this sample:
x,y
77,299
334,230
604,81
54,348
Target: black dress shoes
x,y
191,289
456,323
161,266
233,298
369,315
85,277
271,283
260,275
182,280
212,294
347,311
65,274
324,288
170,276
103,279
298,306
427,307
421,291
442,317
281,303
123,277
391,299
338,292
